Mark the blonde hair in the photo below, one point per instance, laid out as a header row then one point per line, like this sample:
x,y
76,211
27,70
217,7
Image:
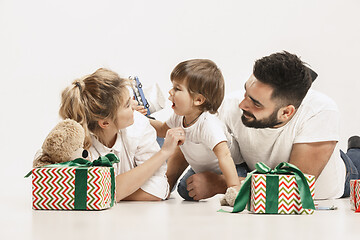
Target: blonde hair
x,y
202,76
94,97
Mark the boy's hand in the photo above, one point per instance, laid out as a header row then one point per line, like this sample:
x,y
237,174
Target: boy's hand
x,y
141,109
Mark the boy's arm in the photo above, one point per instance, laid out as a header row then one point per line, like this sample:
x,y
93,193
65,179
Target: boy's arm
x,y
227,165
311,158
207,184
160,127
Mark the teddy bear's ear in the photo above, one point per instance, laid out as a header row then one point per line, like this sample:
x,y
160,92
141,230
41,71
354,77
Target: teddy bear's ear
x,y
54,142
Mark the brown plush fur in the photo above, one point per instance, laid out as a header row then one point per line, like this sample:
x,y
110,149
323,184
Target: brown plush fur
x,y
63,140
229,198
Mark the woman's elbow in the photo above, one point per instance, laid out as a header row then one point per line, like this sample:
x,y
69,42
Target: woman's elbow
x,y
139,195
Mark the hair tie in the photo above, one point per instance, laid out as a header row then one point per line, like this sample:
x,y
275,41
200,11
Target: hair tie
x,y
79,86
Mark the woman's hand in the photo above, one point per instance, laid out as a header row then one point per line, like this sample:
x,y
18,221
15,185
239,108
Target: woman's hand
x,y
173,138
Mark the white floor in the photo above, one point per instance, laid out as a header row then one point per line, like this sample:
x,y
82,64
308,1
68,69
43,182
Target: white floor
x,y
171,219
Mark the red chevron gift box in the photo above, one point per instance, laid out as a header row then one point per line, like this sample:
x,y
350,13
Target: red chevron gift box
x,y
284,190
355,195
286,197
75,185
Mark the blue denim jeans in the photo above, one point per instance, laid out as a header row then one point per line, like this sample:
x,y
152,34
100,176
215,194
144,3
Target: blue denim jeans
x,y
242,170
352,164
160,141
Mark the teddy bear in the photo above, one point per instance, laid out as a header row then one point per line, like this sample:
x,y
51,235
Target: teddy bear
x,y
64,143
230,195
229,198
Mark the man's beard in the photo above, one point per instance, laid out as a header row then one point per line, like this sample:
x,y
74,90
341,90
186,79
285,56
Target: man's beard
x,y
252,122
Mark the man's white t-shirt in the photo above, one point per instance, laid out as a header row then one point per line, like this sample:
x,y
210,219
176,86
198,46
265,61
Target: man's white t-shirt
x,y
200,140
134,145
316,120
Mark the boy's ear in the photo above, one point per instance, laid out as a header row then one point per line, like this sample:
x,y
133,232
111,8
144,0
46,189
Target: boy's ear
x,y
104,123
199,99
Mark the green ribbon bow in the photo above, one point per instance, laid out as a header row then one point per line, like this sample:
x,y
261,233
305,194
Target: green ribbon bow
x,y
82,166
243,196
103,161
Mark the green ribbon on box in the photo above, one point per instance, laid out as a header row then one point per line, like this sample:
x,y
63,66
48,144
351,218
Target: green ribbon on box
x,y
81,170
272,187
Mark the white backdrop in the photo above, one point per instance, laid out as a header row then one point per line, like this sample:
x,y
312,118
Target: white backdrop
x,y
45,45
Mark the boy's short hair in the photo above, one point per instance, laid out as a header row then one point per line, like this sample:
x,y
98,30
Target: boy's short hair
x,y
287,75
202,76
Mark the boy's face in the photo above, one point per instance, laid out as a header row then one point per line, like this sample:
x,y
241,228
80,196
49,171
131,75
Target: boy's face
x,y
182,102
259,110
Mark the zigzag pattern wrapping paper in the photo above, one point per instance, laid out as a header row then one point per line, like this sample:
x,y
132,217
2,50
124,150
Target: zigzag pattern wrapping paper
x,y
355,195
54,188
289,201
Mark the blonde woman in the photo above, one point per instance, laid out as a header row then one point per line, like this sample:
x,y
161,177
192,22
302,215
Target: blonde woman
x,y
101,102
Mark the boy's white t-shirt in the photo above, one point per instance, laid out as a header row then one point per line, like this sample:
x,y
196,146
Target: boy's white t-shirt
x,y
200,139
134,145
316,120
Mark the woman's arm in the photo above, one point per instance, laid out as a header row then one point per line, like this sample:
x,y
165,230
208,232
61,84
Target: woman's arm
x,y
141,195
227,165
176,165
129,182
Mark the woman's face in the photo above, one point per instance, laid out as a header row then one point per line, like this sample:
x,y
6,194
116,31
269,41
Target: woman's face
x,y
125,113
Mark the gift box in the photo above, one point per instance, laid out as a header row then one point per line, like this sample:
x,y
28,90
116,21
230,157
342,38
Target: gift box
x,y
272,193
355,195
284,190
75,185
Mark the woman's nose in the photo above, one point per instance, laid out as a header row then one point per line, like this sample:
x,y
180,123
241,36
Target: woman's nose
x,y
133,103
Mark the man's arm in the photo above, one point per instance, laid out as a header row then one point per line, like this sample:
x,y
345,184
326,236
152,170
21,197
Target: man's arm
x,y
311,158
176,165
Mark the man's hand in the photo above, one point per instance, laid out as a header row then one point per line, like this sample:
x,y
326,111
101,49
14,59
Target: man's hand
x,y
205,185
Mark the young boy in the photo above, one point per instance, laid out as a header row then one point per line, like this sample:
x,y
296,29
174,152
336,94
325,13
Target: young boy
x,y
197,93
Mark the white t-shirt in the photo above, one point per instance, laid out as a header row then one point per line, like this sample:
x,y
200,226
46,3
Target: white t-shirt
x,y
134,145
316,120
200,139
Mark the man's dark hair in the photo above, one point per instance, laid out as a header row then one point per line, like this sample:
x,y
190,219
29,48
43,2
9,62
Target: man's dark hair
x,y
287,75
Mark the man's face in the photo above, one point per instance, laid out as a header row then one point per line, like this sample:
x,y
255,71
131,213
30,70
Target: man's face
x,y
259,110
